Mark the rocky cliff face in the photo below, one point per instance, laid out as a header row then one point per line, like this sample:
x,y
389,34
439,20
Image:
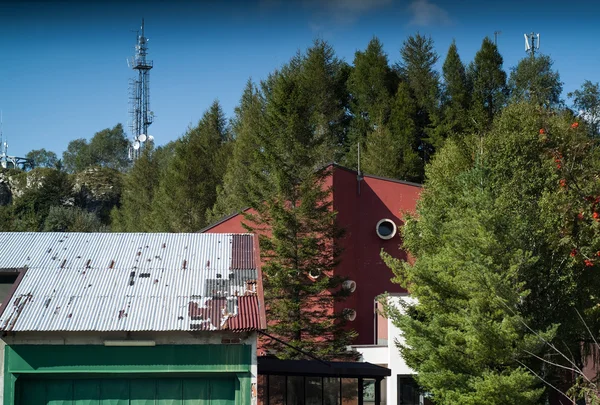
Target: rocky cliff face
x,y
98,190
95,189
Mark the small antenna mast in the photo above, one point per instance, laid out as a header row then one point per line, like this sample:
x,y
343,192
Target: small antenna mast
x,y
496,33
530,43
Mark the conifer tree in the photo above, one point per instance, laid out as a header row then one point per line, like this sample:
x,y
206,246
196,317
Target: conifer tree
x,y
488,81
292,211
417,69
456,95
245,127
371,85
188,187
390,149
139,187
534,80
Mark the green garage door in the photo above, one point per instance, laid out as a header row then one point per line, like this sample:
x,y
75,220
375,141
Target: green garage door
x,y
165,391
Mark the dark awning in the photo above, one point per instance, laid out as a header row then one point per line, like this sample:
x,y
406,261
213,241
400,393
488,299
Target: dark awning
x,y
314,368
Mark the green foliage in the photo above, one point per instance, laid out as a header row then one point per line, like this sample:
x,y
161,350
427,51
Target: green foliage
x,y
49,188
72,219
98,190
42,158
488,81
417,69
534,80
371,86
77,156
187,189
391,148
492,239
456,96
245,127
107,148
292,209
587,102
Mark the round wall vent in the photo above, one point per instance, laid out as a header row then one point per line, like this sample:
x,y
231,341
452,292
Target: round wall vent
x,y
386,229
314,274
349,314
349,285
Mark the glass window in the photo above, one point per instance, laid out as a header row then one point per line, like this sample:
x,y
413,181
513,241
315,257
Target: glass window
x,y
295,390
349,391
276,390
314,391
408,391
331,391
368,392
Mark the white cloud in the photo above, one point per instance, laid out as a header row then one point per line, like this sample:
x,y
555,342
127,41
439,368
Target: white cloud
x,y
343,11
425,14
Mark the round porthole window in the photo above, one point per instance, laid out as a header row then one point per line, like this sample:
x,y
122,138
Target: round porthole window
x,y
386,229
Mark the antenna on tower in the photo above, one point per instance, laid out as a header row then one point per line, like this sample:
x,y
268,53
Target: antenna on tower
x,y
139,95
532,42
496,33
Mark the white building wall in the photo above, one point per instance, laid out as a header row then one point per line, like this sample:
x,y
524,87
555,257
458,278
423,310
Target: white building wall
x,y
389,356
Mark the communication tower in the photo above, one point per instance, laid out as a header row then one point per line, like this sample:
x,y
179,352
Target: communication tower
x,y
532,42
139,96
11,162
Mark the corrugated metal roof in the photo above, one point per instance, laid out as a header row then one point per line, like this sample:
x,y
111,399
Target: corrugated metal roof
x,y
131,282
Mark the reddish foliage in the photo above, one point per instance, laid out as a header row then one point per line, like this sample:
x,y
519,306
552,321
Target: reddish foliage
x,y
573,253
575,125
588,263
542,131
563,182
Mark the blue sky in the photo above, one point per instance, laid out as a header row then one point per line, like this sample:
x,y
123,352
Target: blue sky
x,y
63,71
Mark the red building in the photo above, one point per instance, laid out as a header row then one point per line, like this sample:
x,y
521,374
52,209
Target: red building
x,y
370,210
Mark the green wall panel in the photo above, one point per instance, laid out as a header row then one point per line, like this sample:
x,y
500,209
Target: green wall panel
x,y
146,391
101,359
222,392
99,375
196,389
59,393
143,392
86,392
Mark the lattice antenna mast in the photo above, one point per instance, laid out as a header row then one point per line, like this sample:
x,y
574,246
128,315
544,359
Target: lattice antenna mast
x,y
139,96
532,42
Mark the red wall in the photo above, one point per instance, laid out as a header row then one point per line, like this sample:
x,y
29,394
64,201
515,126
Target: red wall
x,y
358,214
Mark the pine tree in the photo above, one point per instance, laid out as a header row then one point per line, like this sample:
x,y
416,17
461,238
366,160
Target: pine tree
x,y
188,187
371,85
488,81
293,211
417,69
456,95
322,77
534,80
245,128
137,200
390,149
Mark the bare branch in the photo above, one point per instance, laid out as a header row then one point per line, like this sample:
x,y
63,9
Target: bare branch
x,y
542,379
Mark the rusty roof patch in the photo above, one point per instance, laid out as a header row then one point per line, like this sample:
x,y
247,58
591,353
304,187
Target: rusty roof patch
x,y
242,252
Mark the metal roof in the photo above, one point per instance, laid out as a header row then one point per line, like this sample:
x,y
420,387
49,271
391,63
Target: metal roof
x,y
132,282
